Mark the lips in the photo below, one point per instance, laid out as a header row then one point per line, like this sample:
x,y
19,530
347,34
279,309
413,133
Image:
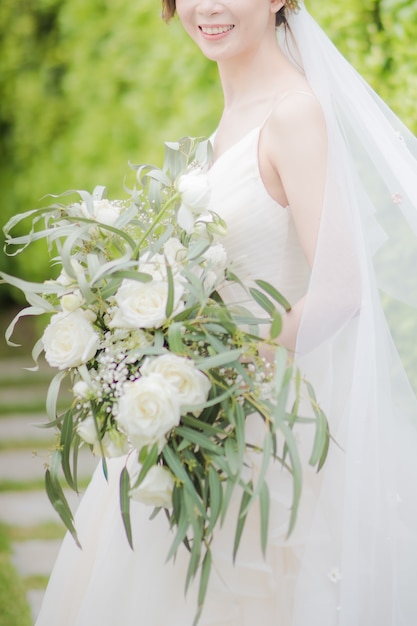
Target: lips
x,y
216,30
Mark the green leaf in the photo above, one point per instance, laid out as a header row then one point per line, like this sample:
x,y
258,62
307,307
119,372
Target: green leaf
x,y
125,504
179,471
230,487
182,523
204,578
198,531
322,435
266,459
241,519
53,393
264,510
175,338
216,498
263,301
57,497
171,295
75,450
276,326
296,471
274,293
148,458
230,448
218,360
199,423
67,433
197,438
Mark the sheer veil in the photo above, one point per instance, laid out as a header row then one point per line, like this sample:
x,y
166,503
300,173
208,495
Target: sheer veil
x,y
357,346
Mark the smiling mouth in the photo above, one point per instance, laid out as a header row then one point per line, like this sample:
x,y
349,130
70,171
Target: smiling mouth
x,y
216,30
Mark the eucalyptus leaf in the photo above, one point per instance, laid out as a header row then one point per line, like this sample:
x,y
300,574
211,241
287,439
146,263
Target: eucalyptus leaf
x,y
274,293
171,292
264,511
241,519
67,434
57,497
179,471
125,504
204,578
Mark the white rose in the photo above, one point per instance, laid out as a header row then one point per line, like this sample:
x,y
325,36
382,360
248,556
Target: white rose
x,y
70,339
72,301
156,488
148,409
143,305
216,261
216,258
155,265
87,430
194,188
82,390
174,251
191,385
104,211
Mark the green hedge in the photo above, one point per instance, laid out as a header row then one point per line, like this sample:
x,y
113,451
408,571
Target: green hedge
x,y
14,608
87,86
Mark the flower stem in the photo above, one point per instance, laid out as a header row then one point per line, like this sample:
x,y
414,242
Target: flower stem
x,y
155,223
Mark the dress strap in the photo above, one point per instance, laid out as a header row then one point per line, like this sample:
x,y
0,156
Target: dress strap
x,y
290,93
281,98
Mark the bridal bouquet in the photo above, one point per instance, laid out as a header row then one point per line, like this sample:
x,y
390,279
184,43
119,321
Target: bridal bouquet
x,y
162,371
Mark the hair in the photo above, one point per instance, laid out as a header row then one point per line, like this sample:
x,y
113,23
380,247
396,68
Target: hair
x,y
168,11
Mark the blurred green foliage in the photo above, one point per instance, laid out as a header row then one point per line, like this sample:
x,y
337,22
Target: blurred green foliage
x,y
87,86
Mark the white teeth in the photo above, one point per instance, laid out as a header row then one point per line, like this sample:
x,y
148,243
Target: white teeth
x,y
217,30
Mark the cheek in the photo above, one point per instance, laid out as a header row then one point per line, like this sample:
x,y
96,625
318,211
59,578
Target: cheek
x,y
184,12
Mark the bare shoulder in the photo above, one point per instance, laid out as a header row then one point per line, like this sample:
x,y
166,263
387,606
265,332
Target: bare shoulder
x,y
296,107
295,132
297,114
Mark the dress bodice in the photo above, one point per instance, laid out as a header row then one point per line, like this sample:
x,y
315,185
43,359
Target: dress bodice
x,y
261,240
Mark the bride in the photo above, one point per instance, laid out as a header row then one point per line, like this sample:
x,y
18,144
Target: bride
x,y
316,179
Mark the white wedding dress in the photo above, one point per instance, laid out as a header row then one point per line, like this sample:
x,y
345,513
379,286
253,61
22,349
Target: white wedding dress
x,y
352,559
106,582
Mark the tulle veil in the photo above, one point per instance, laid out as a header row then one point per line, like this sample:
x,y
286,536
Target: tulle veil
x,y
356,344
352,559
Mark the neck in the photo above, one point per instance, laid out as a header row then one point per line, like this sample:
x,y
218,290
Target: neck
x,y
259,72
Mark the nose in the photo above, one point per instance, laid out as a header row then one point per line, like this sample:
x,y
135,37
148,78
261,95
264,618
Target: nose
x,y
209,7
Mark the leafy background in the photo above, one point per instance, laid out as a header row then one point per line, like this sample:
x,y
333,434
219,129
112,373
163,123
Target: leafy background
x,y
87,86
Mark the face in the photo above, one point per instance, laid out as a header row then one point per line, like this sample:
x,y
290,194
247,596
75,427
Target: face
x,y
225,29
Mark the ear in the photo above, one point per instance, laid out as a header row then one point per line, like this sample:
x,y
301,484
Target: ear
x,y
276,5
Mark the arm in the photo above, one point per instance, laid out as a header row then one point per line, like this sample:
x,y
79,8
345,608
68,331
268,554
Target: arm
x,y
294,142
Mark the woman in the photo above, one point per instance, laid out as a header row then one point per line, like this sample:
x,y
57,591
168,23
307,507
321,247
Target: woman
x,y
317,181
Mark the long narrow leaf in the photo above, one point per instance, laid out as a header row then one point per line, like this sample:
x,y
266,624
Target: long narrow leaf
x,y
296,471
147,461
204,579
179,471
241,520
264,511
216,498
53,393
56,494
171,291
275,294
197,438
262,300
125,504
182,524
67,432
